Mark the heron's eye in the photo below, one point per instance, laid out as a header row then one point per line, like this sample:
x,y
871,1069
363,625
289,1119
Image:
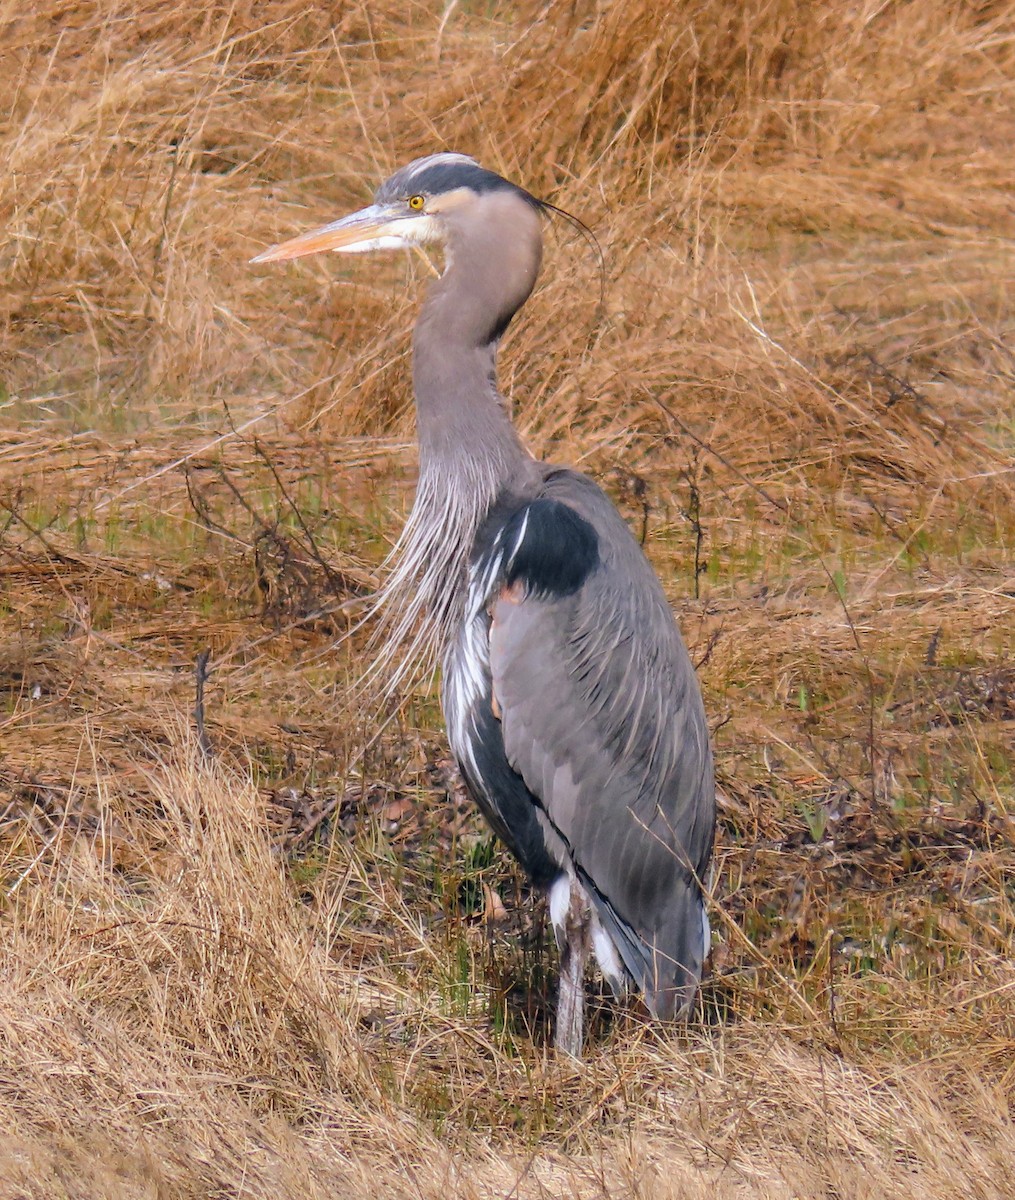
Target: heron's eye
x,y
416,203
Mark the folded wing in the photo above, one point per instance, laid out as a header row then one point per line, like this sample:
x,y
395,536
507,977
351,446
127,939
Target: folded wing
x,y
594,741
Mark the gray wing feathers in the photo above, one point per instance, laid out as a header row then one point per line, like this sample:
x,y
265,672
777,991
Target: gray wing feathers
x,y
602,718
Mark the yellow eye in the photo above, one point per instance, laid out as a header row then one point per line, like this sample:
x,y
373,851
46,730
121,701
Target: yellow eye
x,y
416,203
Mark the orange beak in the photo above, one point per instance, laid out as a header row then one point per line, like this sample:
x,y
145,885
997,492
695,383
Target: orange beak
x,y
379,227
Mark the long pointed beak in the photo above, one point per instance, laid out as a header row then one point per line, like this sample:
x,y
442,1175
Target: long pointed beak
x,y
373,228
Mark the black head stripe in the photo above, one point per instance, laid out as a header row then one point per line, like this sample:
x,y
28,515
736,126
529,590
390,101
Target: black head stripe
x,y
441,173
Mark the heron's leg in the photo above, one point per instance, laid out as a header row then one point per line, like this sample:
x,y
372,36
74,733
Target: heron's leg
x,y
574,951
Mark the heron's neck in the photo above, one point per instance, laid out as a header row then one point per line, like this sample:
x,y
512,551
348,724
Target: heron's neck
x,y
462,421
469,452
493,253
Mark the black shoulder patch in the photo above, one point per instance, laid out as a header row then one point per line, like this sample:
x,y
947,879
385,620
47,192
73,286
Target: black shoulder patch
x,y
549,548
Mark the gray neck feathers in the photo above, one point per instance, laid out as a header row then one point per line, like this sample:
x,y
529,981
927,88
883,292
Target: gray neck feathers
x,y
469,451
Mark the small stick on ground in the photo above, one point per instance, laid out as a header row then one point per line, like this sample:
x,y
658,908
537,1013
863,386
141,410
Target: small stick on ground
x,y
200,676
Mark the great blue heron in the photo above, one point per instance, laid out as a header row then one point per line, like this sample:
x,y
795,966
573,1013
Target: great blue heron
x,y
571,705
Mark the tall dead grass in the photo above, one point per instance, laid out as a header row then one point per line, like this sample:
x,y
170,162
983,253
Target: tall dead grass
x,y
184,1024
149,152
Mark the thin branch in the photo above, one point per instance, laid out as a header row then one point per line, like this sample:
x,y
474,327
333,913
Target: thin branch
x,y
200,678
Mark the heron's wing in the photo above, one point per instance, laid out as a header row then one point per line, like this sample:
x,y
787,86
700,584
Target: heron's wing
x,y
601,717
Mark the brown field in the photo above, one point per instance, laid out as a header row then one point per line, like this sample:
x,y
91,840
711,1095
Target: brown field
x,y
296,965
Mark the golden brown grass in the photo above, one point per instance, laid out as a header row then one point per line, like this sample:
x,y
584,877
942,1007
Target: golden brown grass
x,y
274,974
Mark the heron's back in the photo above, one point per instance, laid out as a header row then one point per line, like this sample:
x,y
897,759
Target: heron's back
x,y
575,713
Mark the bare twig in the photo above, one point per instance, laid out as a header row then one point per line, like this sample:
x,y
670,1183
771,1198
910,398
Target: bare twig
x,y
200,678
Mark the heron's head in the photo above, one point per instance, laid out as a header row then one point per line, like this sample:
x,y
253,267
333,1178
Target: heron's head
x,y
442,199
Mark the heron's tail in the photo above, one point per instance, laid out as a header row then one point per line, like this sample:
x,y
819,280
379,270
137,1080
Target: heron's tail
x,y
665,962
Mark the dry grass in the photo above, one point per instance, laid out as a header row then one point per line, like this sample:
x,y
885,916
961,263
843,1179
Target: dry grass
x,y
274,974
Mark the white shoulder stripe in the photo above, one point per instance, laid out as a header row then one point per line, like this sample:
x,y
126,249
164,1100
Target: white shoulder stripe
x,y
519,540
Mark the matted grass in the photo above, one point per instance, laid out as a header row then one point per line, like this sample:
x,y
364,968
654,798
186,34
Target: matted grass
x,y
301,967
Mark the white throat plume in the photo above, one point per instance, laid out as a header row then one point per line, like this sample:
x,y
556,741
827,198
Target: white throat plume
x,y
420,604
